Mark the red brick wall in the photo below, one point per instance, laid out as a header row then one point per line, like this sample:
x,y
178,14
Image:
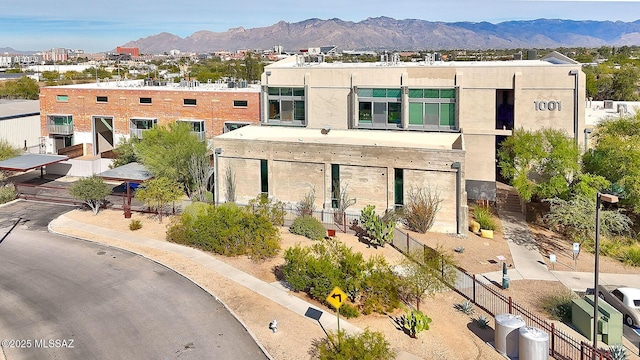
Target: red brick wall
x,y
214,107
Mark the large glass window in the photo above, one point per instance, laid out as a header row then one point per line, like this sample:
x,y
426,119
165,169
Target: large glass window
x,y
197,128
60,124
139,126
286,106
335,185
398,187
379,108
432,109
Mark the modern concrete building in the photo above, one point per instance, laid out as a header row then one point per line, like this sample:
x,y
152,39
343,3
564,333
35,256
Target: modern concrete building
x,y
99,114
482,101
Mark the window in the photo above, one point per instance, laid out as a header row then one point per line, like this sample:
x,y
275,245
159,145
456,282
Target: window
x,y
145,100
62,98
240,103
398,187
230,126
102,99
286,106
379,108
189,102
432,109
335,185
264,177
60,124
197,128
138,126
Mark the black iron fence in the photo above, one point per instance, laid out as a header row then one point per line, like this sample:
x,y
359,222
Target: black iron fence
x,y
481,293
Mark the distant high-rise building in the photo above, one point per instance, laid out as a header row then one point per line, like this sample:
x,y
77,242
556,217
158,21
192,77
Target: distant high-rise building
x,y
133,52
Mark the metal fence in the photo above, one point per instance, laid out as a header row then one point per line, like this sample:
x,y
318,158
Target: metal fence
x,y
561,345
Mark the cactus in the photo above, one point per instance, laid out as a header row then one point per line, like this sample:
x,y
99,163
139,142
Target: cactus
x,y
414,322
618,352
482,321
379,231
465,307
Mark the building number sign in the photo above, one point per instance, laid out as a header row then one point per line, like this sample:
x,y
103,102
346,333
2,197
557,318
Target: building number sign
x,y
548,105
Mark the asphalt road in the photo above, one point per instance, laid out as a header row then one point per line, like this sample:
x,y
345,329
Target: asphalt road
x,y
62,298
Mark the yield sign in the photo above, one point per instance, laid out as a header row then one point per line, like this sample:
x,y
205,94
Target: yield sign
x,y
336,297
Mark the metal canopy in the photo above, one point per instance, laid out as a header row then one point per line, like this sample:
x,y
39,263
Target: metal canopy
x,y
134,171
30,161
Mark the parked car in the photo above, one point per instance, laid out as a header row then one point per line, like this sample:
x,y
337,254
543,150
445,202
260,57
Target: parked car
x,y
624,299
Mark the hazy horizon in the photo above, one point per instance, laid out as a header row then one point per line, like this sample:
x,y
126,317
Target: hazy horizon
x,y
31,25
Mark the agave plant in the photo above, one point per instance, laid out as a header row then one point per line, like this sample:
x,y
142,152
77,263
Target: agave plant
x,y
618,352
465,307
482,321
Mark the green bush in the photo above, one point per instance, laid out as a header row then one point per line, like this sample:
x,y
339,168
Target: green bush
x,y
484,217
631,255
370,285
349,311
268,207
135,225
7,193
369,345
558,306
308,227
227,230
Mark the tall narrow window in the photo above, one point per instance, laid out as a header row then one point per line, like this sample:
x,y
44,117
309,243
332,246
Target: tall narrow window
x,y
264,177
335,185
398,186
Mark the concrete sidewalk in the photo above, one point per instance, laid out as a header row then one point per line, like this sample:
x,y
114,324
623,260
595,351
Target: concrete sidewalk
x,y
272,292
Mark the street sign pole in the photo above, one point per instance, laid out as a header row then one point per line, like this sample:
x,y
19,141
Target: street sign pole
x,y
337,297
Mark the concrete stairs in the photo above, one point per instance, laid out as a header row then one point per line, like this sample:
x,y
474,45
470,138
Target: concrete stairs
x,y
507,199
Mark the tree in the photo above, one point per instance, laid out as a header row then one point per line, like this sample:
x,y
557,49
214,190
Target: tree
x,y
199,171
540,164
158,192
616,156
125,152
625,83
23,88
167,151
426,272
7,151
92,190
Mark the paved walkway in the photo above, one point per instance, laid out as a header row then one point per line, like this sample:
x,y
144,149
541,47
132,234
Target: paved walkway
x,y
272,292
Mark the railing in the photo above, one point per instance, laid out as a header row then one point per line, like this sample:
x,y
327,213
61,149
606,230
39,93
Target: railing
x,y
561,345
201,135
136,132
60,129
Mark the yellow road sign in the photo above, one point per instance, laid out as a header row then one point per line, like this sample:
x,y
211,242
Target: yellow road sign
x,y
336,297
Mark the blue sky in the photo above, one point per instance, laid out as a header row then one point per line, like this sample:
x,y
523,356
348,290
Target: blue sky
x,y
34,25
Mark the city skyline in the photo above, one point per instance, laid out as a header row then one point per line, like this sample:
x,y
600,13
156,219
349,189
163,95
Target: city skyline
x,y
31,25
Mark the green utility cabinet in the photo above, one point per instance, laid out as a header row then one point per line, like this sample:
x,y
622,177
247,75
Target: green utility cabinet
x,y
609,320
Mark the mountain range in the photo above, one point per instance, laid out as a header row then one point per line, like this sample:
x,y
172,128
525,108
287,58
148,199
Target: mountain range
x,y
409,34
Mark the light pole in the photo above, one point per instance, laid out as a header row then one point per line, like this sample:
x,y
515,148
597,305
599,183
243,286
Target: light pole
x,y
216,188
587,132
612,199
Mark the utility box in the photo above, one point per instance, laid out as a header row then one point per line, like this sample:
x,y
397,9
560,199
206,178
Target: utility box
x,y
609,320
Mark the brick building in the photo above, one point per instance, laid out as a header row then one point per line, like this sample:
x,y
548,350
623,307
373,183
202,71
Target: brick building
x,y
99,114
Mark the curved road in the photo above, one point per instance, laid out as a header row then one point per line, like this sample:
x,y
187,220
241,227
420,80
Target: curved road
x,y
70,299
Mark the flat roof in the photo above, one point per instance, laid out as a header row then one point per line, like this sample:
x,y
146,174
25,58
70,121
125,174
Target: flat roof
x,y
13,108
30,161
390,138
129,172
140,85
595,111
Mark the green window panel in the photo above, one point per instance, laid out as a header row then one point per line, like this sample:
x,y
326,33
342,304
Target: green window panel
x,y
286,92
394,93
431,114
264,177
394,111
298,112
379,93
398,187
335,185
298,91
416,112
448,115
274,91
365,92
62,98
448,93
416,93
431,93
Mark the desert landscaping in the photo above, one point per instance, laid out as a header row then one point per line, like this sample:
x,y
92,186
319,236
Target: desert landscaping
x,y
452,334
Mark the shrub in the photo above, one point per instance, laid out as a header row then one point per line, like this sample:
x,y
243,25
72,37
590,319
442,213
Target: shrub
x,y
269,208
420,211
414,322
7,193
369,345
631,255
558,306
349,311
482,321
308,227
370,285
227,230
306,206
484,217
135,225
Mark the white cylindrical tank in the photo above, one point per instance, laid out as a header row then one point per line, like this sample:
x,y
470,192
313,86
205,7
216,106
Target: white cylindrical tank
x,y
533,344
506,334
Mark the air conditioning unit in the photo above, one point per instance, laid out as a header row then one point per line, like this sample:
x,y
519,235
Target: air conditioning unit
x,y
608,104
